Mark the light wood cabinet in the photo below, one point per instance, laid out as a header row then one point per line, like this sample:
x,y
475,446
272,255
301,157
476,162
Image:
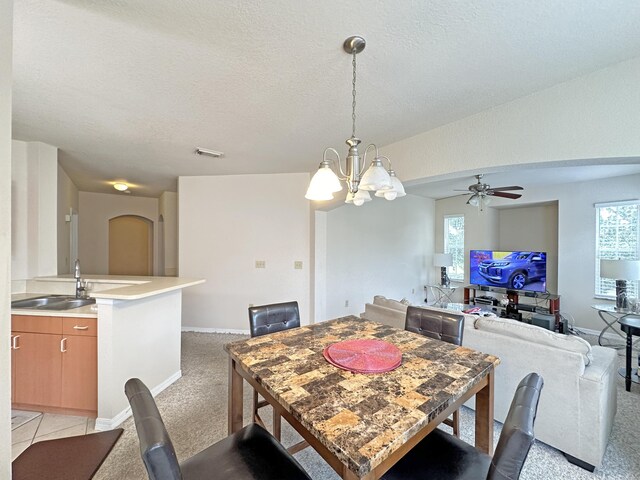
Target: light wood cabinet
x,y
55,363
38,369
80,373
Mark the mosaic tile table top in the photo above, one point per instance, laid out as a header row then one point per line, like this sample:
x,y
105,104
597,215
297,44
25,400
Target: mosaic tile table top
x,y
360,418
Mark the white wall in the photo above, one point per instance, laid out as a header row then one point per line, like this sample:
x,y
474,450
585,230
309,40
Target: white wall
x,y
95,211
168,208
480,233
595,116
68,201
129,333
6,43
226,223
532,228
319,271
380,248
34,210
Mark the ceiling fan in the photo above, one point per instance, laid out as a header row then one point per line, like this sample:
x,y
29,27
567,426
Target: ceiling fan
x,y
480,193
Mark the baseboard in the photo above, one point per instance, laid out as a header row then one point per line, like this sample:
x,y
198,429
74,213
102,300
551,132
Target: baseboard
x,y
590,331
103,424
215,330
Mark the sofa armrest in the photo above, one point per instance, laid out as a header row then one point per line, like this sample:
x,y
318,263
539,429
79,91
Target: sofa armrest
x,y
597,402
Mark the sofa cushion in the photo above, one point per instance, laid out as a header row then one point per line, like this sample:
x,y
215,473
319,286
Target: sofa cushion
x,y
389,303
533,333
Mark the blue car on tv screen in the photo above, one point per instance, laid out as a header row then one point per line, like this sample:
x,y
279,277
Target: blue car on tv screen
x,y
511,270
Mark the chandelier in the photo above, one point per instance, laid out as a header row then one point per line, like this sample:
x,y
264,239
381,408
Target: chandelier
x,y
325,182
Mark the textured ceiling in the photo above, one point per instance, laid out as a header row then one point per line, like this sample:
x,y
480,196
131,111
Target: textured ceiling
x,y
127,89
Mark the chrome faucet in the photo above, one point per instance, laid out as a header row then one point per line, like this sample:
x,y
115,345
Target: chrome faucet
x,y
81,286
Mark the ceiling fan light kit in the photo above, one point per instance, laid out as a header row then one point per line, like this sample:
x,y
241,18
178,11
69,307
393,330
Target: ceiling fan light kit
x,y
376,178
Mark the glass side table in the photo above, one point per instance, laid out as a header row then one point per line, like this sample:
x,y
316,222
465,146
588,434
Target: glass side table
x,y
441,294
610,316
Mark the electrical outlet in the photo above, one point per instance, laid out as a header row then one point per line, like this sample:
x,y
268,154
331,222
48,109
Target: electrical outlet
x,y
346,303
261,264
297,265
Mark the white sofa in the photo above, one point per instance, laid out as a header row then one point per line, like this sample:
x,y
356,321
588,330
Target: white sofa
x,y
578,402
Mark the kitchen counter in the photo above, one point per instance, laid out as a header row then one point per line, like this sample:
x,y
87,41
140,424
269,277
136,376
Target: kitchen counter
x,y
139,323
122,287
88,311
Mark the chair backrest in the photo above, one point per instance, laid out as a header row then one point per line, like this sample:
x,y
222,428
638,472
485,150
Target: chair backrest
x,y
156,448
272,318
517,432
444,326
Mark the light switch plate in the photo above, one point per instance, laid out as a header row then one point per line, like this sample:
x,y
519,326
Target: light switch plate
x,y
297,265
261,264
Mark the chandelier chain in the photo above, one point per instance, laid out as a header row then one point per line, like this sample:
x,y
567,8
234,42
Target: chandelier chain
x,y
353,93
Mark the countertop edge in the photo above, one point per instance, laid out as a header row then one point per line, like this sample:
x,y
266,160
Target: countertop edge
x,y
114,295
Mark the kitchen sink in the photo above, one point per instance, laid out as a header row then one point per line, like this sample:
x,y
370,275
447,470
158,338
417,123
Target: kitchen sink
x,y
52,302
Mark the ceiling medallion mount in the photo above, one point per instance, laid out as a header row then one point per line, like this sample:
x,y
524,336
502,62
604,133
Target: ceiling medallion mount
x,y
354,44
359,179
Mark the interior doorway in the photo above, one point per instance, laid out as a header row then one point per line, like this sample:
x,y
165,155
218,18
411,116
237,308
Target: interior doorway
x,y
130,245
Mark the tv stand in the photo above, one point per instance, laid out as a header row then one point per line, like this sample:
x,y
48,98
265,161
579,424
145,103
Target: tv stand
x,y
544,302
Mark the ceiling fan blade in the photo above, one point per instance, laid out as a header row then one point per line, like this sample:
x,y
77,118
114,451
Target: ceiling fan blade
x,y
502,189
461,190
512,196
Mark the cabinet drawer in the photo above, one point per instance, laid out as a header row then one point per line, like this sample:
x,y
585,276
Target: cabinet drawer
x,y
80,326
36,324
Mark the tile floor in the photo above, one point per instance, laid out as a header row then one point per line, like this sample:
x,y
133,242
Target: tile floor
x,y
48,426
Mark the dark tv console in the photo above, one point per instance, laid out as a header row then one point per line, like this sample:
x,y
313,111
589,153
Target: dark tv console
x,y
545,303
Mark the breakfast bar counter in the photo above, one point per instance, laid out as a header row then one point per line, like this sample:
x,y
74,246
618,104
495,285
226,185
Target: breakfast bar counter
x,y
139,322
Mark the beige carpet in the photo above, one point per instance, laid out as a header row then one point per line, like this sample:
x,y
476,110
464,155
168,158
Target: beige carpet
x,y
195,413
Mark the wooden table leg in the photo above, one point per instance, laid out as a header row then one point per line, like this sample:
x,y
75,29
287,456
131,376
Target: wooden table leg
x,y
484,417
235,398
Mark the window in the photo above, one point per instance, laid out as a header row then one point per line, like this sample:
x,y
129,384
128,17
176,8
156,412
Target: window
x,y
617,237
454,244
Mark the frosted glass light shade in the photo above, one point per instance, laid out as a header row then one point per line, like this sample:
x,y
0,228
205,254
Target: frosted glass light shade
x,y
473,200
620,269
360,197
442,260
375,178
396,190
323,184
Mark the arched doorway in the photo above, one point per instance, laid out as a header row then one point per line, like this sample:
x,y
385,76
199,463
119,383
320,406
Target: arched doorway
x,y
130,245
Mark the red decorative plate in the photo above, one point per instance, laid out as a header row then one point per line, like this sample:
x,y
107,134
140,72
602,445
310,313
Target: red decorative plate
x,y
364,355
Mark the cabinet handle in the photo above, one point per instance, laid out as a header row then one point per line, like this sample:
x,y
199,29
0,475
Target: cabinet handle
x,y
14,343
63,345
81,327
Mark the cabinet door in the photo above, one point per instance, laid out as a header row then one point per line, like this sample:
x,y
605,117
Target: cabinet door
x,y
38,368
80,373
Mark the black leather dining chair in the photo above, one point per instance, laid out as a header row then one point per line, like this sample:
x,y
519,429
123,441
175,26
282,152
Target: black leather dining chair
x,y
264,319
249,454
440,325
444,457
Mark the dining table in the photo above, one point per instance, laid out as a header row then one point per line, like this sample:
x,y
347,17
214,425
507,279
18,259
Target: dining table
x,y
361,423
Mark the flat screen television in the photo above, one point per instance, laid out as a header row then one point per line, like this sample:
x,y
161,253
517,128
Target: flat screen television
x,y
522,270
